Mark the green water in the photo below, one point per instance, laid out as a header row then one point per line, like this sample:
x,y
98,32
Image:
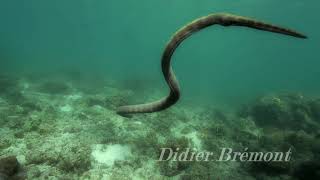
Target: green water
x,y
125,39
66,65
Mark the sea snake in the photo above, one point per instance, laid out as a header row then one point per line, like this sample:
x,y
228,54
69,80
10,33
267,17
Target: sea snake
x,y
223,19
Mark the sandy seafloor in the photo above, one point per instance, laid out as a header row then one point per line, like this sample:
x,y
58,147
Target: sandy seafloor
x,y
66,128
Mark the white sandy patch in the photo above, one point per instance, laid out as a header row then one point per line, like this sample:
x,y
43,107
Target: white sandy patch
x,y
66,108
108,154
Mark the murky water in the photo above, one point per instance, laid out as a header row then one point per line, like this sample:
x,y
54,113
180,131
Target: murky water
x,y
66,66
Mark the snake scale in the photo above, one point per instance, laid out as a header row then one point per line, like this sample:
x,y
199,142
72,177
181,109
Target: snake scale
x,y
223,19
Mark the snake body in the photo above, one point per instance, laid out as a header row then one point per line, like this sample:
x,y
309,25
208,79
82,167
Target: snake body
x,y
223,19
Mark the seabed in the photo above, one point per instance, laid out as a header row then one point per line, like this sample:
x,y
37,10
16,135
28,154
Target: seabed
x,y
64,128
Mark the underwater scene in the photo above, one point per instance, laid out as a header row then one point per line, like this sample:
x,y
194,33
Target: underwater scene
x,y
159,90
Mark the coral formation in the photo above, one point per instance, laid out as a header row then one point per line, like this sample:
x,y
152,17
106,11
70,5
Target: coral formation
x,y
287,111
11,169
9,165
288,121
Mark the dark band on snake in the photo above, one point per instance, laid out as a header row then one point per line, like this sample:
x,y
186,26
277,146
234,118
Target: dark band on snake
x,y
198,24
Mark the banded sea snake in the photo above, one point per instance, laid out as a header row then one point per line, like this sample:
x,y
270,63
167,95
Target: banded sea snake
x,y
223,19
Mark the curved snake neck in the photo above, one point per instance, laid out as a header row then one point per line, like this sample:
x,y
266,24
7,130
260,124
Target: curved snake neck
x,y
198,24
